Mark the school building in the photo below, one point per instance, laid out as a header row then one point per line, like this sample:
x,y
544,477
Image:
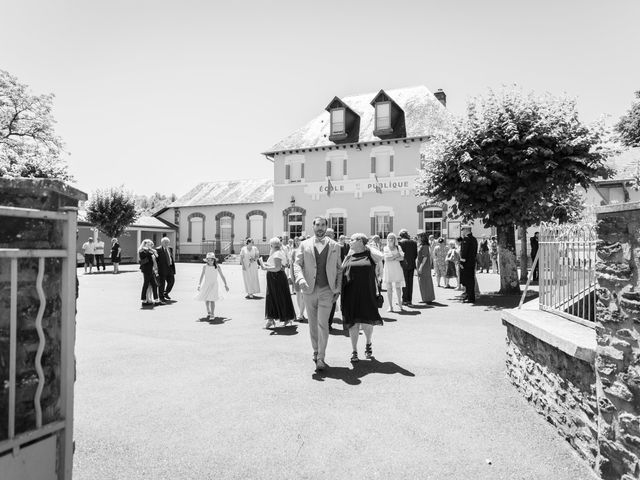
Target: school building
x,y
356,163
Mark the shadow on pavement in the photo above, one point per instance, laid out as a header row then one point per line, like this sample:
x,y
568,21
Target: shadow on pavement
x,y
352,376
287,331
497,302
215,320
408,312
388,319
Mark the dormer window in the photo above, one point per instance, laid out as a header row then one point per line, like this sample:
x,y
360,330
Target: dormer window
x,y
383,115
337,121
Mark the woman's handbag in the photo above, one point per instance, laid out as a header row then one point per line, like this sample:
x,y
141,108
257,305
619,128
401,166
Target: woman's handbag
x,y
379,300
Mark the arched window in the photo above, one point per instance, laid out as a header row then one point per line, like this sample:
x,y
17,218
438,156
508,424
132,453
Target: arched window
x,y
196,231
257,225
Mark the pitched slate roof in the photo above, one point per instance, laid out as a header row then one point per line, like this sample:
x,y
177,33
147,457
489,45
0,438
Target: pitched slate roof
x,y
424,114
231,192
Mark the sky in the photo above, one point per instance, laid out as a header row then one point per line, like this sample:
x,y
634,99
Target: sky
x,y
159,96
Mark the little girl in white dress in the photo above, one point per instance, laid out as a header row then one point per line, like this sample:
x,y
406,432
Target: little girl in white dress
x,y
208,289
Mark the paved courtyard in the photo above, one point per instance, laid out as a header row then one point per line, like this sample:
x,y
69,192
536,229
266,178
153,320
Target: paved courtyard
x,y
163,393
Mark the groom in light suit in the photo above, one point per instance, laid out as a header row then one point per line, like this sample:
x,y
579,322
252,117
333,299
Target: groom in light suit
x,y
318,273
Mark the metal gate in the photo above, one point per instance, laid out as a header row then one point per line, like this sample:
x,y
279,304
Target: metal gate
x,y
35,444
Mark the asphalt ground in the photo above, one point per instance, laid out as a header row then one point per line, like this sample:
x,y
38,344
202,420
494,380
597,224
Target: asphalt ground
x,y
163,393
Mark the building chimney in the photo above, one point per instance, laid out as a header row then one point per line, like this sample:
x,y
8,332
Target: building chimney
x,y
441,96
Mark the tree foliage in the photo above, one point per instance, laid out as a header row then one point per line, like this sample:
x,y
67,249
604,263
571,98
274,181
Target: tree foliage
x,y
112,210
150,205
629,124
29,146
513,160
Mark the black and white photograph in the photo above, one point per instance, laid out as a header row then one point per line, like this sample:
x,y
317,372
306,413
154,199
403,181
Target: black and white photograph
x,y
333,240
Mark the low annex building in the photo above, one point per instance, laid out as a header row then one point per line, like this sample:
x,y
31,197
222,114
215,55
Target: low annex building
x,y
356,163
219,216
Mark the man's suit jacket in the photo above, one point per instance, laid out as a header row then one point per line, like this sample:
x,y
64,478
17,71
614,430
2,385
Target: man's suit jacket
x,y
534,247
410,249
164,267
468,252
304,267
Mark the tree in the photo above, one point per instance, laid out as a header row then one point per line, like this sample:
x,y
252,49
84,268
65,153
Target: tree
x,y
150,205
629,124
511,162
112,210
29,146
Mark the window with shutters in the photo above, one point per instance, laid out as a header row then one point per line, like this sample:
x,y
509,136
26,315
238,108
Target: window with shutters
x,y
433,221
383,115
382,162
337,121
336,166
294,169
337,222
381,224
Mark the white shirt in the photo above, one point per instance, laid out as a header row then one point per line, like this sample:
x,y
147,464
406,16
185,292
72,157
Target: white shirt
x,y
320,243
88,248
99,247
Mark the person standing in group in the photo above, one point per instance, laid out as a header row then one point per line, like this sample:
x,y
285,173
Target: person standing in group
x,y
296,287
208,284
116,255
250,261
534,252
493,253
453,262
99,254
88,249
410,249
468,263
440,260
278,304
392,275
484,259
375,242
331,234
359,291
424,270
318,272
166,269
344,247
147,259
459,247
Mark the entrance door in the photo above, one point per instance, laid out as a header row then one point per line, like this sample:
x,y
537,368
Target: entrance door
x,y
226,227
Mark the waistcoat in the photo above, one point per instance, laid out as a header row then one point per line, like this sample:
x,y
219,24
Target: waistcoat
x,y
321,266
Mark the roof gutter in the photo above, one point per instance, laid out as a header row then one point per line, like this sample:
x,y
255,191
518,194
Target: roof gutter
x,y
343,146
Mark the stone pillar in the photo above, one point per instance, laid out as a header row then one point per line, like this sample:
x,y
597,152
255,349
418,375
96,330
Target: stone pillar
x,y
618,332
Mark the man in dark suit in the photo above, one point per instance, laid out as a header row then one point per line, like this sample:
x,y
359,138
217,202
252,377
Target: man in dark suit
x,y
468,252
166,269
534,252
410,249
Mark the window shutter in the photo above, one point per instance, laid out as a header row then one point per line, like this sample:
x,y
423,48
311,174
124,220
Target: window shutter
x,y
287,172
373,164
391,163
344,225
390,223
344,166
328,168
373,225
302,171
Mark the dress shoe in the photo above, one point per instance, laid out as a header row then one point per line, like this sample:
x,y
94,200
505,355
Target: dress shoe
x,y
167,297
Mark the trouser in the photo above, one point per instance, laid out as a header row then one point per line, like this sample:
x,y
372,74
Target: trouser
x,y
407,290
100,260
468,279
535,270
163,289
149,279
318,304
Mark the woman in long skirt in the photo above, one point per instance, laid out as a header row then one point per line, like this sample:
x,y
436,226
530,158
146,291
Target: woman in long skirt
x,y
278,304
249,259
424,270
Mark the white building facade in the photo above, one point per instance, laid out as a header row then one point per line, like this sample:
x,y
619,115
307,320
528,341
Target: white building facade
x,y
357,162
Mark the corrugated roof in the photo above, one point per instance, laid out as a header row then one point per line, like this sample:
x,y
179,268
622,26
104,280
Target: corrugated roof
x,y
231,192
142,222
424,115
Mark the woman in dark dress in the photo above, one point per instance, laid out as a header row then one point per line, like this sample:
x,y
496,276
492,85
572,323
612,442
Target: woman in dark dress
x,y
147,256
358,296
116,253
278,304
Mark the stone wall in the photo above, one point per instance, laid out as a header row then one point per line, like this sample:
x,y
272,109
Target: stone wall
x,y
27,233
560,387
618,332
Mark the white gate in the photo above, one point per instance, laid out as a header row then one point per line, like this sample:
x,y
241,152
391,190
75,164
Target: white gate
x,y
45,449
